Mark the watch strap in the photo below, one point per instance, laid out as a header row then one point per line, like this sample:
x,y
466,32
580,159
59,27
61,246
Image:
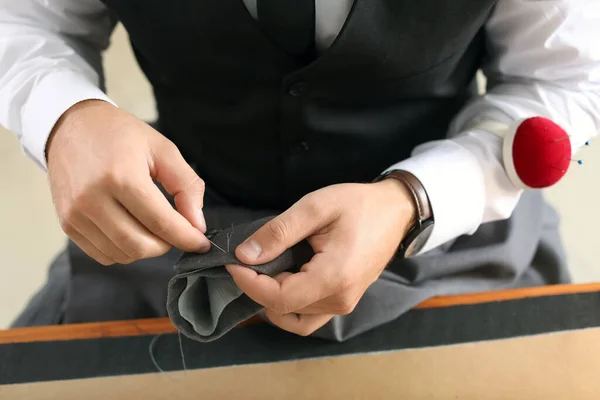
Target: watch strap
x,y
418,192
424,217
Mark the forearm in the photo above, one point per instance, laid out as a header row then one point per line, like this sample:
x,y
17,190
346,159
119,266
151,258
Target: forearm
x,y
543,64
50,60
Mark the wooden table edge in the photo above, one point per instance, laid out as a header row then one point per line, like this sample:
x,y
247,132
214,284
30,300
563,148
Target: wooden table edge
x,y
158,326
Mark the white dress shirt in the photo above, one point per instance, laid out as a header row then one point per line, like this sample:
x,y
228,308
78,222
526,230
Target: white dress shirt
x,y
545,60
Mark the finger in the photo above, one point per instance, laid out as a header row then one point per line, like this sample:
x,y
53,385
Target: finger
x,y
89,249
320,307
182,182
86,228
338,304
316,280
302,325
151,208
284,231
125,231
281,277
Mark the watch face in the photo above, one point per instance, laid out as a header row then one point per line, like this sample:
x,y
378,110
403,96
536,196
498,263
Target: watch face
x,y
415,244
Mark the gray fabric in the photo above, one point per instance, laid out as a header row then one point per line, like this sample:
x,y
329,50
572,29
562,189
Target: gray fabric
x,y
223,291
203,301
522,251
47,306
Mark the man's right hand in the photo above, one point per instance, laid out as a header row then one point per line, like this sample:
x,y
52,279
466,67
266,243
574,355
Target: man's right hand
x,y
102,163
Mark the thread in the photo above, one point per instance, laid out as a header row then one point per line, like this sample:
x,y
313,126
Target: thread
x,y
181,352
230,235
151,349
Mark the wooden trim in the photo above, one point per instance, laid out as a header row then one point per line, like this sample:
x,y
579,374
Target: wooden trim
x,y
509,294
93,330
87,331
163,325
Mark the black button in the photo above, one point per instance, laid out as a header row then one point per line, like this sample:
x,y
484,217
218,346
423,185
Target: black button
x,y
300,147
298,89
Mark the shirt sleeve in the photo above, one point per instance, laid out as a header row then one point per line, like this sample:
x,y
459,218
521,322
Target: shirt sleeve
x,y
50,59
545,61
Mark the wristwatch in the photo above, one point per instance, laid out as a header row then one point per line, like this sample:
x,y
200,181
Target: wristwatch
x,y
419,233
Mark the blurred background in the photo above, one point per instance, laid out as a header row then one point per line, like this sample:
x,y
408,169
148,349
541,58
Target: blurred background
x,y
30,236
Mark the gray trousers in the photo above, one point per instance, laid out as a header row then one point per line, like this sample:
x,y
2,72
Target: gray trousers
x,y
524,250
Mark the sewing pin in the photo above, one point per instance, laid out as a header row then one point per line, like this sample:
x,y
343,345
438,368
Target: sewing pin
x,y
580,162
214,244
562,138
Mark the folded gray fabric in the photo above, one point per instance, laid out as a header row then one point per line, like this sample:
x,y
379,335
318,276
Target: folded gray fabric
x,y
204,302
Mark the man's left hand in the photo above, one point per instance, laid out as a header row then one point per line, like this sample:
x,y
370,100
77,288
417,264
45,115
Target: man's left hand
x,y
354,230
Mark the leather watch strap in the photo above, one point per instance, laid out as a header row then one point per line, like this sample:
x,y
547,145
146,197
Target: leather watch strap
x,y
417,191
418,234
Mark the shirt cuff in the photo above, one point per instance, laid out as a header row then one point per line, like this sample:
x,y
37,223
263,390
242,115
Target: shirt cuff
x,y
52,96
455,186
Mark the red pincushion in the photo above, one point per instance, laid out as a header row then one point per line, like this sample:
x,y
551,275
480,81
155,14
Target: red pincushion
x,y
541,152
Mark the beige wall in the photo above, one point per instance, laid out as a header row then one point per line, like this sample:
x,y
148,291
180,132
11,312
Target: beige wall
x,y
30,235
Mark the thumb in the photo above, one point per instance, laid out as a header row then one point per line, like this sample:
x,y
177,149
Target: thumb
x,y
281,233
182,182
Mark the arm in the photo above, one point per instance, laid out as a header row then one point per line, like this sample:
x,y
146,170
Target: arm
x,y
545,60
48,50
102,162
543,63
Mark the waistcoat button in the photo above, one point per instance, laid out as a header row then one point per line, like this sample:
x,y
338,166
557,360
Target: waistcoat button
x,y
297,89
298,148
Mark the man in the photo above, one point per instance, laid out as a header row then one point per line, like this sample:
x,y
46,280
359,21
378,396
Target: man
x,y
296,107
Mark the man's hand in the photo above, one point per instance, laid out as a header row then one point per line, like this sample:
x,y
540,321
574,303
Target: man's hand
x,y
354,229
101,165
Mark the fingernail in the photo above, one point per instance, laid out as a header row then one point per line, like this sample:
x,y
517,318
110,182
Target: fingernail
x,y
204,247
251,249
201,220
